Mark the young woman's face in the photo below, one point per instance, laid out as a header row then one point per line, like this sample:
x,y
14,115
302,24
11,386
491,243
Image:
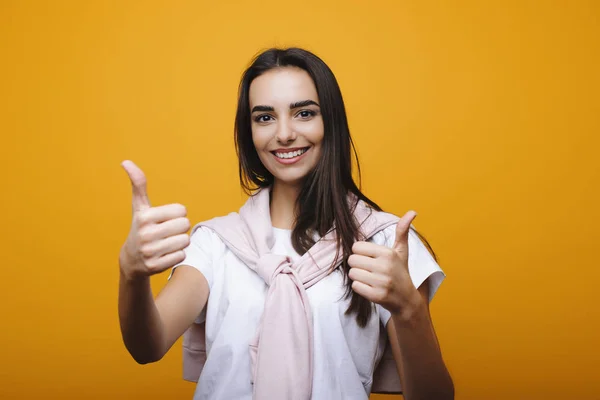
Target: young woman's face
x,y
287,126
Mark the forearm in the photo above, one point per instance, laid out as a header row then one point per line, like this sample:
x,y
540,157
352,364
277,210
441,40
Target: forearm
x,y
141,325
424,374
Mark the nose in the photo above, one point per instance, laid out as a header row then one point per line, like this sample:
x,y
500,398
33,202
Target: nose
x,y
285,132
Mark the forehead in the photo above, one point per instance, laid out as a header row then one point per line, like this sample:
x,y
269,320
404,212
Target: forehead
x,y
282,86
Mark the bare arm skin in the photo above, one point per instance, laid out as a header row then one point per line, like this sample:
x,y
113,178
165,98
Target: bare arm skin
x,y
422,371
150,327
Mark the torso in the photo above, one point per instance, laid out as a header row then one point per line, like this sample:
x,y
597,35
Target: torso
x,y
345,355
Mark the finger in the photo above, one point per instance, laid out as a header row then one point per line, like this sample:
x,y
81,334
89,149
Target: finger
x,y
364,276
165,229
140,199
164,213
362,262
173,244
364,290
165,246
174,227
168,260
402,228
369,249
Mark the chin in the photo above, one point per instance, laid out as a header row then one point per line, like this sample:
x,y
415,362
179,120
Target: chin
x,y
290,180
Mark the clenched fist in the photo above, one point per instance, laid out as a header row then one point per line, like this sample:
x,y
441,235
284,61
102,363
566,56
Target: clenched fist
x,y
158,235
380,274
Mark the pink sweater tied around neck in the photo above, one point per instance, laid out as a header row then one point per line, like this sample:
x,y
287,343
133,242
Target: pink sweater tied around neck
x,y
281,351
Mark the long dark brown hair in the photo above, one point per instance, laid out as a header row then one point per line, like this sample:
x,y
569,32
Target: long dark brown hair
x,y
322,203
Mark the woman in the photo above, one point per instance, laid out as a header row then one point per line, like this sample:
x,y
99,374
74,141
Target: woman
x,y
298,293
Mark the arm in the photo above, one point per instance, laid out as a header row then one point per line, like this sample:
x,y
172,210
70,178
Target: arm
x,y
156,242
381,275
414,344
149,328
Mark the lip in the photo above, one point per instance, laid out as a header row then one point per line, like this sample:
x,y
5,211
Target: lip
x,y
288,149
292,160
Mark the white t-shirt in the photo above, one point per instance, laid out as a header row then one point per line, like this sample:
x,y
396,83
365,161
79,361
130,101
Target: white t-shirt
x,y
345,355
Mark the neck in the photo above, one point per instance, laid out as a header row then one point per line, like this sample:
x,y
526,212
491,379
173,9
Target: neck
x,y
283,203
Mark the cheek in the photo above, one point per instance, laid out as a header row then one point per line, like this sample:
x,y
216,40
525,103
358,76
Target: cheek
x,y
312,130
260,136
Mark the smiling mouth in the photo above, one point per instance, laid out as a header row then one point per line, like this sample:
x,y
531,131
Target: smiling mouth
x,y
290,154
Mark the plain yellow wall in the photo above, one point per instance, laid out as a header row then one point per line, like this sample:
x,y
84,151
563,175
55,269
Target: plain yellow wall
x,y
482,116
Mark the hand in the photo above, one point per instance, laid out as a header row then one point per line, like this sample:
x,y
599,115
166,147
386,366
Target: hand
x,y
380,273
157,236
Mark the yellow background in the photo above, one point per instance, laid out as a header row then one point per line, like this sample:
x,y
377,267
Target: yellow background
x,y
482,116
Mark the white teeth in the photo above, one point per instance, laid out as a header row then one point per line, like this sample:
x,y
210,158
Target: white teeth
x,y
291,154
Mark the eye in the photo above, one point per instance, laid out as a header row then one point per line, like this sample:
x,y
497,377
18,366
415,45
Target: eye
x,y
263,118
305,114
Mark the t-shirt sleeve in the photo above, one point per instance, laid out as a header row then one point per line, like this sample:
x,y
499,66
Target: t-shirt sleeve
x,y
204,244
421,264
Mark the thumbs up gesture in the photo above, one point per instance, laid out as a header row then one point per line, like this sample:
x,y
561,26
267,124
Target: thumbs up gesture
x,y
157,236
380,274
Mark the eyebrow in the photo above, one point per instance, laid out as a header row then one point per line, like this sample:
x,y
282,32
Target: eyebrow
x,y
293,106
303,103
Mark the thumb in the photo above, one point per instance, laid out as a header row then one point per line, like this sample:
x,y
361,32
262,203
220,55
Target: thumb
x,y
402,228
140,199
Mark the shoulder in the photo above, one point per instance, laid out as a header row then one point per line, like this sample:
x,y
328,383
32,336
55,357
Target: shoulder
x,y
387,237
203,234
416,247
206,248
